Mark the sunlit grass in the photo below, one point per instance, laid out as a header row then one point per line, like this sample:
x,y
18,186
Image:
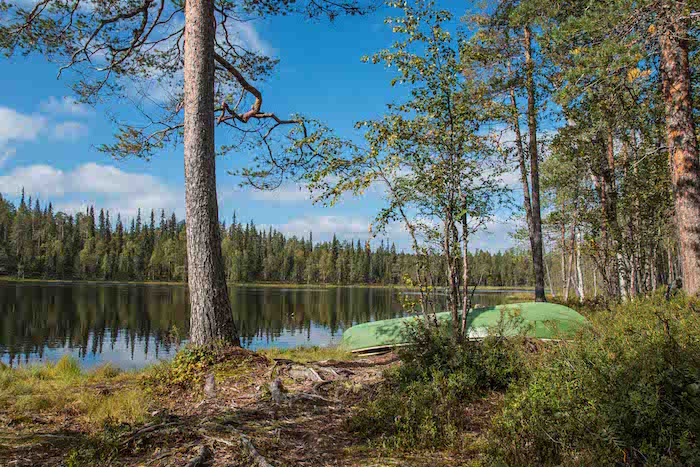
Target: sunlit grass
x,y
108,394
308,354
62,388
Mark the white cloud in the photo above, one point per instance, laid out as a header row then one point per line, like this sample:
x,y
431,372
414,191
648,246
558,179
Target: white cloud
x,y
284,194
91,183
344,227
36,179
70,131
15,126
510,179
496,235
5,156
245,34
65,106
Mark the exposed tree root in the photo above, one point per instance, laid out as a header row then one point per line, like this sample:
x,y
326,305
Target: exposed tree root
x,y
280,395
245,444
145,430
205,453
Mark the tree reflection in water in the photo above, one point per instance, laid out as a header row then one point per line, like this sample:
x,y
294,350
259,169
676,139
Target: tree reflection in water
x,y
133,325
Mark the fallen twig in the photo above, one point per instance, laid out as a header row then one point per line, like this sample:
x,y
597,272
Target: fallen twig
x,y
307,396
147,429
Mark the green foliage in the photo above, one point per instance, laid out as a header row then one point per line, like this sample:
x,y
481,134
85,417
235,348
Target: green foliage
x,y
626,391
189,365
422,402
192,363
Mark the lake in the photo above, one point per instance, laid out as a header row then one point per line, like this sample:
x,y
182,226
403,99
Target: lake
x,y
132,325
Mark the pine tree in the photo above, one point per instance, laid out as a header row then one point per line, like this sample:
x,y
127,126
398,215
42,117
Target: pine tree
x,y
102,225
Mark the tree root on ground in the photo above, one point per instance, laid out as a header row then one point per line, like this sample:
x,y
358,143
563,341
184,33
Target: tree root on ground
x,y
244,443
145,430
205,453
280,395
323,371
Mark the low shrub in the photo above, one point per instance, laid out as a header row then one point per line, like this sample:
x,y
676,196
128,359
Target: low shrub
x,y
626,391
191,364
422,401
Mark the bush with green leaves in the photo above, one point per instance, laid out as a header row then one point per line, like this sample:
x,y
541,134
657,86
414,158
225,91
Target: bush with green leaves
x,y
422,401
626,391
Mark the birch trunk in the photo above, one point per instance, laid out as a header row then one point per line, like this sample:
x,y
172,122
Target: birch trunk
x,y
579,274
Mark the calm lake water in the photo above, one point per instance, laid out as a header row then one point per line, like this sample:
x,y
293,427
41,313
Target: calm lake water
x,y
134,325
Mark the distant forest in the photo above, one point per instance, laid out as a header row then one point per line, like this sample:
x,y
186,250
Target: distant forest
x,y
36,242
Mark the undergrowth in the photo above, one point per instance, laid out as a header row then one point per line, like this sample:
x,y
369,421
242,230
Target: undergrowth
x,y
190,366
626,391
422,402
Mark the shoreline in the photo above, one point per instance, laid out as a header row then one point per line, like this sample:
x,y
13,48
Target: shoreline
x,y
290,285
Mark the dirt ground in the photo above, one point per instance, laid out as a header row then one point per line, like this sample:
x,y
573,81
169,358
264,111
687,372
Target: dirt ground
x,y
237,421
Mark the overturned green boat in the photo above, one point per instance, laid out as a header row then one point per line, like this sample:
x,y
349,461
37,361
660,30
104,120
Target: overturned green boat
x,y
547,321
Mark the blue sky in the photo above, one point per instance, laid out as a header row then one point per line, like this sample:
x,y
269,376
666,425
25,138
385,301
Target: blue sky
x,y
47,142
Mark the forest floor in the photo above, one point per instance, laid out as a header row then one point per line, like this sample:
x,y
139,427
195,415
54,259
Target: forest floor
x,y
272,408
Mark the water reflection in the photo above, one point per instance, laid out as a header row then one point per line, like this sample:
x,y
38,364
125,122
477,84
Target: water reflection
x,y
133,325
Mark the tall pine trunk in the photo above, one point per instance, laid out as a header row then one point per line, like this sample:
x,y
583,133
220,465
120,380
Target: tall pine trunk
x,y
537,248
211,318
682,141
613,227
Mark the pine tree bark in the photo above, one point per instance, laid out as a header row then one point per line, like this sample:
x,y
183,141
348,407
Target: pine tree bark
x,y
608,172
682,141
537,248
211,318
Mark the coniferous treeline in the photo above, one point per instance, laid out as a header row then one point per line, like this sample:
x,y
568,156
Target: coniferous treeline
x,y
36,242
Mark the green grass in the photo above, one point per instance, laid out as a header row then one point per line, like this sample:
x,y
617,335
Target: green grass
x,y
62,388
308,354
422,403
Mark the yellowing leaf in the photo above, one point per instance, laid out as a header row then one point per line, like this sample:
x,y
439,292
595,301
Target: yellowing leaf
x,y
633,74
